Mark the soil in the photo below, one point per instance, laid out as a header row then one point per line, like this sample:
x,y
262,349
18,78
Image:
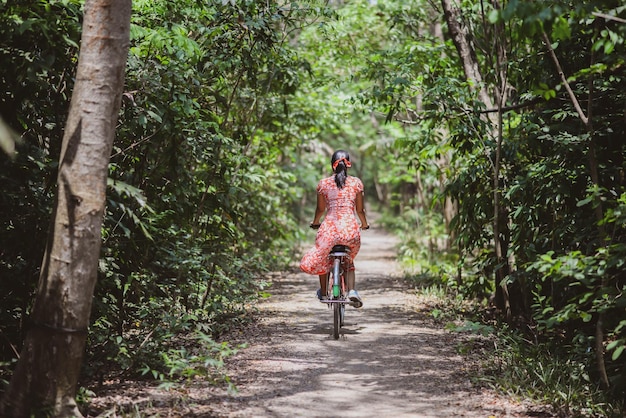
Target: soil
x,y
391,360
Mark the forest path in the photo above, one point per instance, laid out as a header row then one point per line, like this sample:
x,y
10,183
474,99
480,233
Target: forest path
x,y
391,360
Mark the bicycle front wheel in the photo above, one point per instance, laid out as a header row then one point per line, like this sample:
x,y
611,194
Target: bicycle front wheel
x,y
337,319
342,314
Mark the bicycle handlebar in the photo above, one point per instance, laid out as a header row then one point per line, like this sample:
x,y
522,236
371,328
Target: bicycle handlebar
x,y
317,226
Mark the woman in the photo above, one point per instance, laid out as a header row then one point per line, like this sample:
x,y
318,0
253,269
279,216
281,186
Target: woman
x,y
340,196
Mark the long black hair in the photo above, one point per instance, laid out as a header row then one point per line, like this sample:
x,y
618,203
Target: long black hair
x,y
340,162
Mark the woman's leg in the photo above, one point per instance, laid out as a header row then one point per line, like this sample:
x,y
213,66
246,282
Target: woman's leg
x,y
353,295
323,283
350,279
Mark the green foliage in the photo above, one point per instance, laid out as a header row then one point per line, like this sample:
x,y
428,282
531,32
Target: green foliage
x,y
346,56
202,177
554,376
205,358
563,260
530,370
575,288
516,363
37,57
229,116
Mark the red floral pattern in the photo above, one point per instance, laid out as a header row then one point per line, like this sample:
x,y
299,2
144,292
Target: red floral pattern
x,y
340,225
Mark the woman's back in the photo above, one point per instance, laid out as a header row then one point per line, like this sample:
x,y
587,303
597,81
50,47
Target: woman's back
x,y
340,202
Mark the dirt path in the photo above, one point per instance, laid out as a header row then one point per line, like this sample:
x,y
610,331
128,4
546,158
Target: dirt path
x,y
390,361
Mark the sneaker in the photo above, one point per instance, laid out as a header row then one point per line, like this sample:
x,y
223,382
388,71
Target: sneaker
x,y
355,298
319,294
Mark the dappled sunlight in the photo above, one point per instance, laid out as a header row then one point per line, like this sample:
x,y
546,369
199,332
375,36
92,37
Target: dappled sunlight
x,y
388,360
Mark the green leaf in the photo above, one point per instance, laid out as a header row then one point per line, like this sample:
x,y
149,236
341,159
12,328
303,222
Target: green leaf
x,y
494,16
561,29
126,189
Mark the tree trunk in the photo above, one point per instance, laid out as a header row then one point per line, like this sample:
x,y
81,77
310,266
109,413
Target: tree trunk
x,y
501,220
449,205
45,379
462,41
503,297
467,54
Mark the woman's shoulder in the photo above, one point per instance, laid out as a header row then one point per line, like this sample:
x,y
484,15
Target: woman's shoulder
x,y
325,183
355,182
326,180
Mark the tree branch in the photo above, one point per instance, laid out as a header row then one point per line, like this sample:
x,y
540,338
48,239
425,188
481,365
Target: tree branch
x,y
608,17
570,92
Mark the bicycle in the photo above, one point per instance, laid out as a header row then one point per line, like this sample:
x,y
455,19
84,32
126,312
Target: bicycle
x,y
336,290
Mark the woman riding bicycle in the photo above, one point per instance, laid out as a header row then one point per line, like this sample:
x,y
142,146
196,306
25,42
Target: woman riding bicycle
x,y
340,196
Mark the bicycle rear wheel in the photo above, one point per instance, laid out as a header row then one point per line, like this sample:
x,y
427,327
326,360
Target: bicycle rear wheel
x,y
337,316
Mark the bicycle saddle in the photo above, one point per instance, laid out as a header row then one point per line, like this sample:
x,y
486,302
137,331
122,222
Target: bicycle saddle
x,y
340,249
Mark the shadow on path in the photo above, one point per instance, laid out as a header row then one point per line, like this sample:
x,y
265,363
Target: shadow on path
x,y
389,361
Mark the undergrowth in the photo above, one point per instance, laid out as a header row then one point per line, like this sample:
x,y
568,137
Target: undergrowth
x,y
545,373
546,370
185,358
542,372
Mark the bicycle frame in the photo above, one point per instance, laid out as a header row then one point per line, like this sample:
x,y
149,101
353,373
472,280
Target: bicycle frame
x,y
336,284
336,288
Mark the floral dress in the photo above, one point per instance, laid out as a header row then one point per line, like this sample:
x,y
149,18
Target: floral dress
x,y
340,225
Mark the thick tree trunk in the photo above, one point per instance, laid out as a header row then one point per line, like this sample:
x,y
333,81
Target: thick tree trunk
x,y
45,379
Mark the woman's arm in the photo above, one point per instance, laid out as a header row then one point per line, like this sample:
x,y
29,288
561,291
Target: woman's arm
x,y
360,210
320,208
